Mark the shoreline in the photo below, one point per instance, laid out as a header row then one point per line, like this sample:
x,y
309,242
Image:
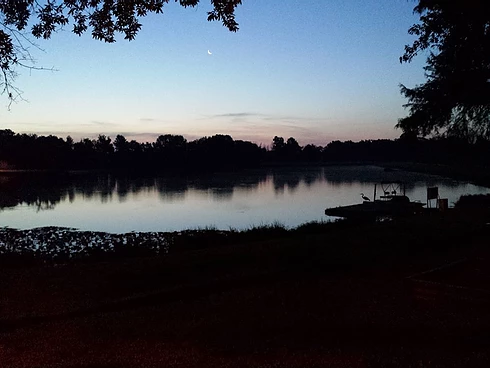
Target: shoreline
x,y
62,244
328,295
478,175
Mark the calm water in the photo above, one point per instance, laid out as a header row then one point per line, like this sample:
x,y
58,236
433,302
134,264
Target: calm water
x,y
122,204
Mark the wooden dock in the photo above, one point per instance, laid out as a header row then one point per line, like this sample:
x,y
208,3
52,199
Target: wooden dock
x,y
378,208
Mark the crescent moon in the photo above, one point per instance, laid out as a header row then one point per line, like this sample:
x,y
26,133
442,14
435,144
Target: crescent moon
x,y
210,53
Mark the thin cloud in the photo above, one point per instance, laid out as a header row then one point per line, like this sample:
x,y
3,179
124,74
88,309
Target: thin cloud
x,y
242,117
153,120
99,123
294,118
237,115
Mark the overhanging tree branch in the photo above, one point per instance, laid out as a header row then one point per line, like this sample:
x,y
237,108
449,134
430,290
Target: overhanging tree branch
x,y
103,18
455,99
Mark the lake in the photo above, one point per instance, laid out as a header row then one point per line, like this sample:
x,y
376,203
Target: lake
x,y
118,204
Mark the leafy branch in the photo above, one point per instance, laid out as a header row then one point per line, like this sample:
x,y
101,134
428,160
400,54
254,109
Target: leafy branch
x,y
103,18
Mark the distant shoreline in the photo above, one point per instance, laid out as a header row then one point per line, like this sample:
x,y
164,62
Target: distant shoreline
x,y
478,175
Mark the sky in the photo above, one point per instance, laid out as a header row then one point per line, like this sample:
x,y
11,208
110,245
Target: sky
x,y
316,70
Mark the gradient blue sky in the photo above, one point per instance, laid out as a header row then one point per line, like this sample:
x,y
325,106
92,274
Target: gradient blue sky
x,y
317,70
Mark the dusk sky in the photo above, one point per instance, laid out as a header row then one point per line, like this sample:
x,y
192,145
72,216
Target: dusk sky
x,y
317,70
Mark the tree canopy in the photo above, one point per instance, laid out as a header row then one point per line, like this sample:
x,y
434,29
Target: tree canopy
x,y
455,99
104,19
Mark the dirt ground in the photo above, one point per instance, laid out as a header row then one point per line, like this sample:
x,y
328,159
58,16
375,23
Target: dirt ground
x,y
254,305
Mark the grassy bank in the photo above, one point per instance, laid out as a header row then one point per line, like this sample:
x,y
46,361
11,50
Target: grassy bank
x,y
60,245
321,295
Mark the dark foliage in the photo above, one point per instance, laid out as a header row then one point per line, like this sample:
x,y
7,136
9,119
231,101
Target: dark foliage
x,y
173,153
449,151
168,152
455,99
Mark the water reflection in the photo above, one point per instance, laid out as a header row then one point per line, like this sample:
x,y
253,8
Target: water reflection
x,y
125,203
44,191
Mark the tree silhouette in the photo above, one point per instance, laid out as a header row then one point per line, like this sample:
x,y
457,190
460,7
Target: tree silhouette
x,y
173,154
103,145
285,151
312,153
293,149
121,144
455,100
104,19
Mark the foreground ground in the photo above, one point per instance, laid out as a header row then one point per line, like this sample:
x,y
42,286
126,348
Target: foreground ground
x,y
329,296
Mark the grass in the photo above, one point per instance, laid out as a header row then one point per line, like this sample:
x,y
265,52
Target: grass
x,y
69,245
321,294
63,244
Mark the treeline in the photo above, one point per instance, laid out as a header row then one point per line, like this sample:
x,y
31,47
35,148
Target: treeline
x,y
222,152
168,152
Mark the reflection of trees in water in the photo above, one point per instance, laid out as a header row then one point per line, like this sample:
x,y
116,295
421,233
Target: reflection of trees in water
x,y
41,191
346,175
292,179
106,188
43,205
123,187
218,190
342,175
222,194
71,194
44,191
128,185
171,190
311,178
221,187
291,182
